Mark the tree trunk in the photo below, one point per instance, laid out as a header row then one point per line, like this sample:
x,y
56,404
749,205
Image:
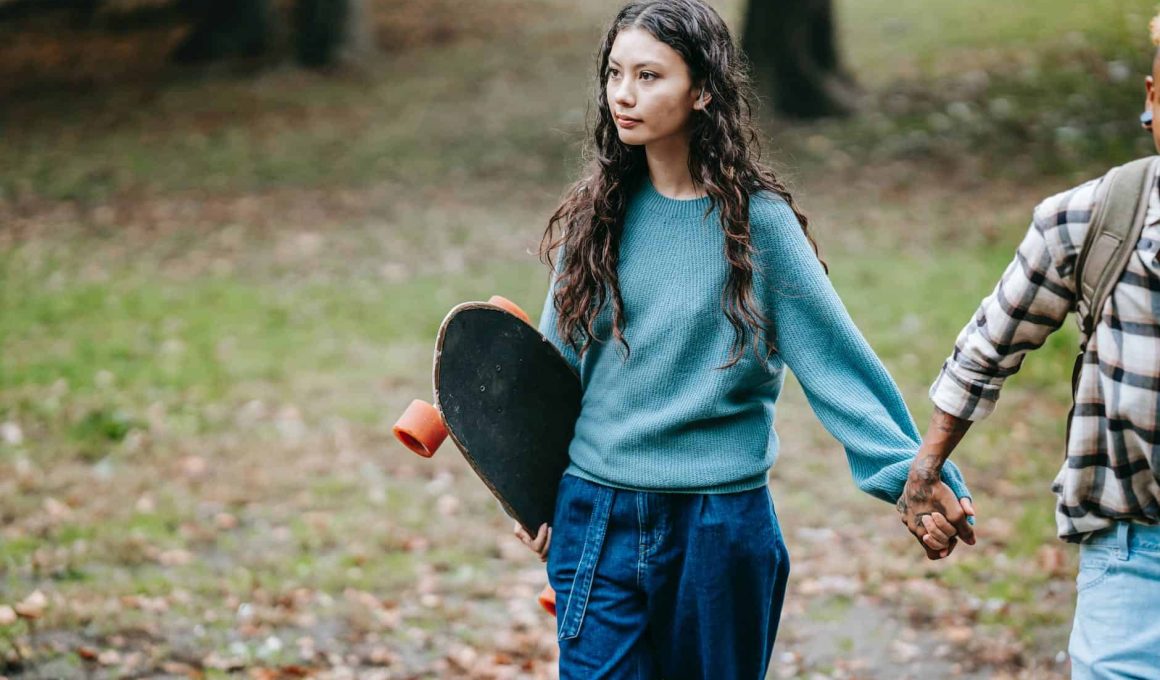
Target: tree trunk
x,y
320,28
19,9
792,47
359,38
225,28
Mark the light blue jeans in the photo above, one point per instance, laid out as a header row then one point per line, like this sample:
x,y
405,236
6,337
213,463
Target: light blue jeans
x,y
1116,635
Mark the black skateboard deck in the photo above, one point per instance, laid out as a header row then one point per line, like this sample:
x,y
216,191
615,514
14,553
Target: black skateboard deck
x,y
510,402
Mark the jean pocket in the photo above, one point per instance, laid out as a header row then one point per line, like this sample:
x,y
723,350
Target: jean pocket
x,y
572,574
1095,561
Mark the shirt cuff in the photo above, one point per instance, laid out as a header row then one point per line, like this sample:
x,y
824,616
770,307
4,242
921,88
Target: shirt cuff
x,y
962,397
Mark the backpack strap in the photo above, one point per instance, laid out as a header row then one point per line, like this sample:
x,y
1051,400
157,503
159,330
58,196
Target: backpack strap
x,y
1121,204
1120,208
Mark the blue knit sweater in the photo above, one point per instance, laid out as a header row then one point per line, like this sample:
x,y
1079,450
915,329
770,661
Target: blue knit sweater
x,y
666,418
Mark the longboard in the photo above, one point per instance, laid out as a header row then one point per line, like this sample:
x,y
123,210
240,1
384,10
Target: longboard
x,y
507,399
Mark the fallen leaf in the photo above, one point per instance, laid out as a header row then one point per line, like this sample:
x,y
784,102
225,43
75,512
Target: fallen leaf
x,y
175,558
56,509
193,466
33,606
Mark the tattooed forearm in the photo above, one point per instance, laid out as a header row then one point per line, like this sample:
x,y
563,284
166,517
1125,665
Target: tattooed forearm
x,y
942,436
948,424
926,470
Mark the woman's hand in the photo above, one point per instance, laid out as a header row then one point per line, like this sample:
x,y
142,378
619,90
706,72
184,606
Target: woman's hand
x,y
540,543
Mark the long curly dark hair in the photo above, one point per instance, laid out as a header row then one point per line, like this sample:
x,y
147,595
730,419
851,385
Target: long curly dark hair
x,y
723,161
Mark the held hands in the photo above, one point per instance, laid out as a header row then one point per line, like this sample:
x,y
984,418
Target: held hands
x,y
929,508
931,512
540,543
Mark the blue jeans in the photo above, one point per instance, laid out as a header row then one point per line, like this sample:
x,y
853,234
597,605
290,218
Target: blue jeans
x,y
652,585
1116,635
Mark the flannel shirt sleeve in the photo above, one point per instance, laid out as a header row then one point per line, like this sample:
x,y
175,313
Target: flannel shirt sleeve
x,y
1031,301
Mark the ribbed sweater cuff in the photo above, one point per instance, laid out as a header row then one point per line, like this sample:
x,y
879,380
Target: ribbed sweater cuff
x,y
888,482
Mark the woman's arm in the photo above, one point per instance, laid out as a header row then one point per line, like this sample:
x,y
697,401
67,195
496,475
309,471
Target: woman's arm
x,y
548,327
847,386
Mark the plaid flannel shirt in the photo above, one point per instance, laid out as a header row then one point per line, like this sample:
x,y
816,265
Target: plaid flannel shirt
x,y
1112,468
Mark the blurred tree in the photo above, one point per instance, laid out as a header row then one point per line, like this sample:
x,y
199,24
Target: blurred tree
x,y
225,28
324,30
18,9
792,47
327,31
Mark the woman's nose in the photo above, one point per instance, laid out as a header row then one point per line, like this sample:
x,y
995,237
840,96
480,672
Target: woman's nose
x,y
622,93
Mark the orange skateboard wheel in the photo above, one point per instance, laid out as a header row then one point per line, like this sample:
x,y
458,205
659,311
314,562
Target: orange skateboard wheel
x,y
420,428
548,600
507,305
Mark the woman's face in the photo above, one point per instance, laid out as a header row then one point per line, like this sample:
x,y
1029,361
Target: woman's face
x,y
650,92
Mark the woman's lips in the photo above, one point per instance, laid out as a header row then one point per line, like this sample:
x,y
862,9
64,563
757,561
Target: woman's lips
x,y
627,123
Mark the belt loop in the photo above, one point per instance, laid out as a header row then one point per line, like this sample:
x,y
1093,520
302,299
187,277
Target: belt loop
x,y
602,499
1123,530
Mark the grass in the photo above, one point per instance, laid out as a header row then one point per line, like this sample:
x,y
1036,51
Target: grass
x,y
911,39
91,361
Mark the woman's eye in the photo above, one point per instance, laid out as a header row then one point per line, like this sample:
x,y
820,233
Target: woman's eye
x,y
647,75
613,73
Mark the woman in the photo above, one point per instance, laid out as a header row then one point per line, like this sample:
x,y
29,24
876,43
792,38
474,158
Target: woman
x,y
686,282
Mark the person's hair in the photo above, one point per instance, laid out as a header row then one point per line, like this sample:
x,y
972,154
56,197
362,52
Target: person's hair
x,y
1154,30
724,160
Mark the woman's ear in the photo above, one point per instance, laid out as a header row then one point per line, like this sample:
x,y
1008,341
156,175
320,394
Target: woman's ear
x,y
702,101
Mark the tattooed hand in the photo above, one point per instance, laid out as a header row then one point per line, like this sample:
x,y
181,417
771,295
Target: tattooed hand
x,y
928,507
931,512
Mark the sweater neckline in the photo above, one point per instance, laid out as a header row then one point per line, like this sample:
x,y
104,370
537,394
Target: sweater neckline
x,y
657,203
